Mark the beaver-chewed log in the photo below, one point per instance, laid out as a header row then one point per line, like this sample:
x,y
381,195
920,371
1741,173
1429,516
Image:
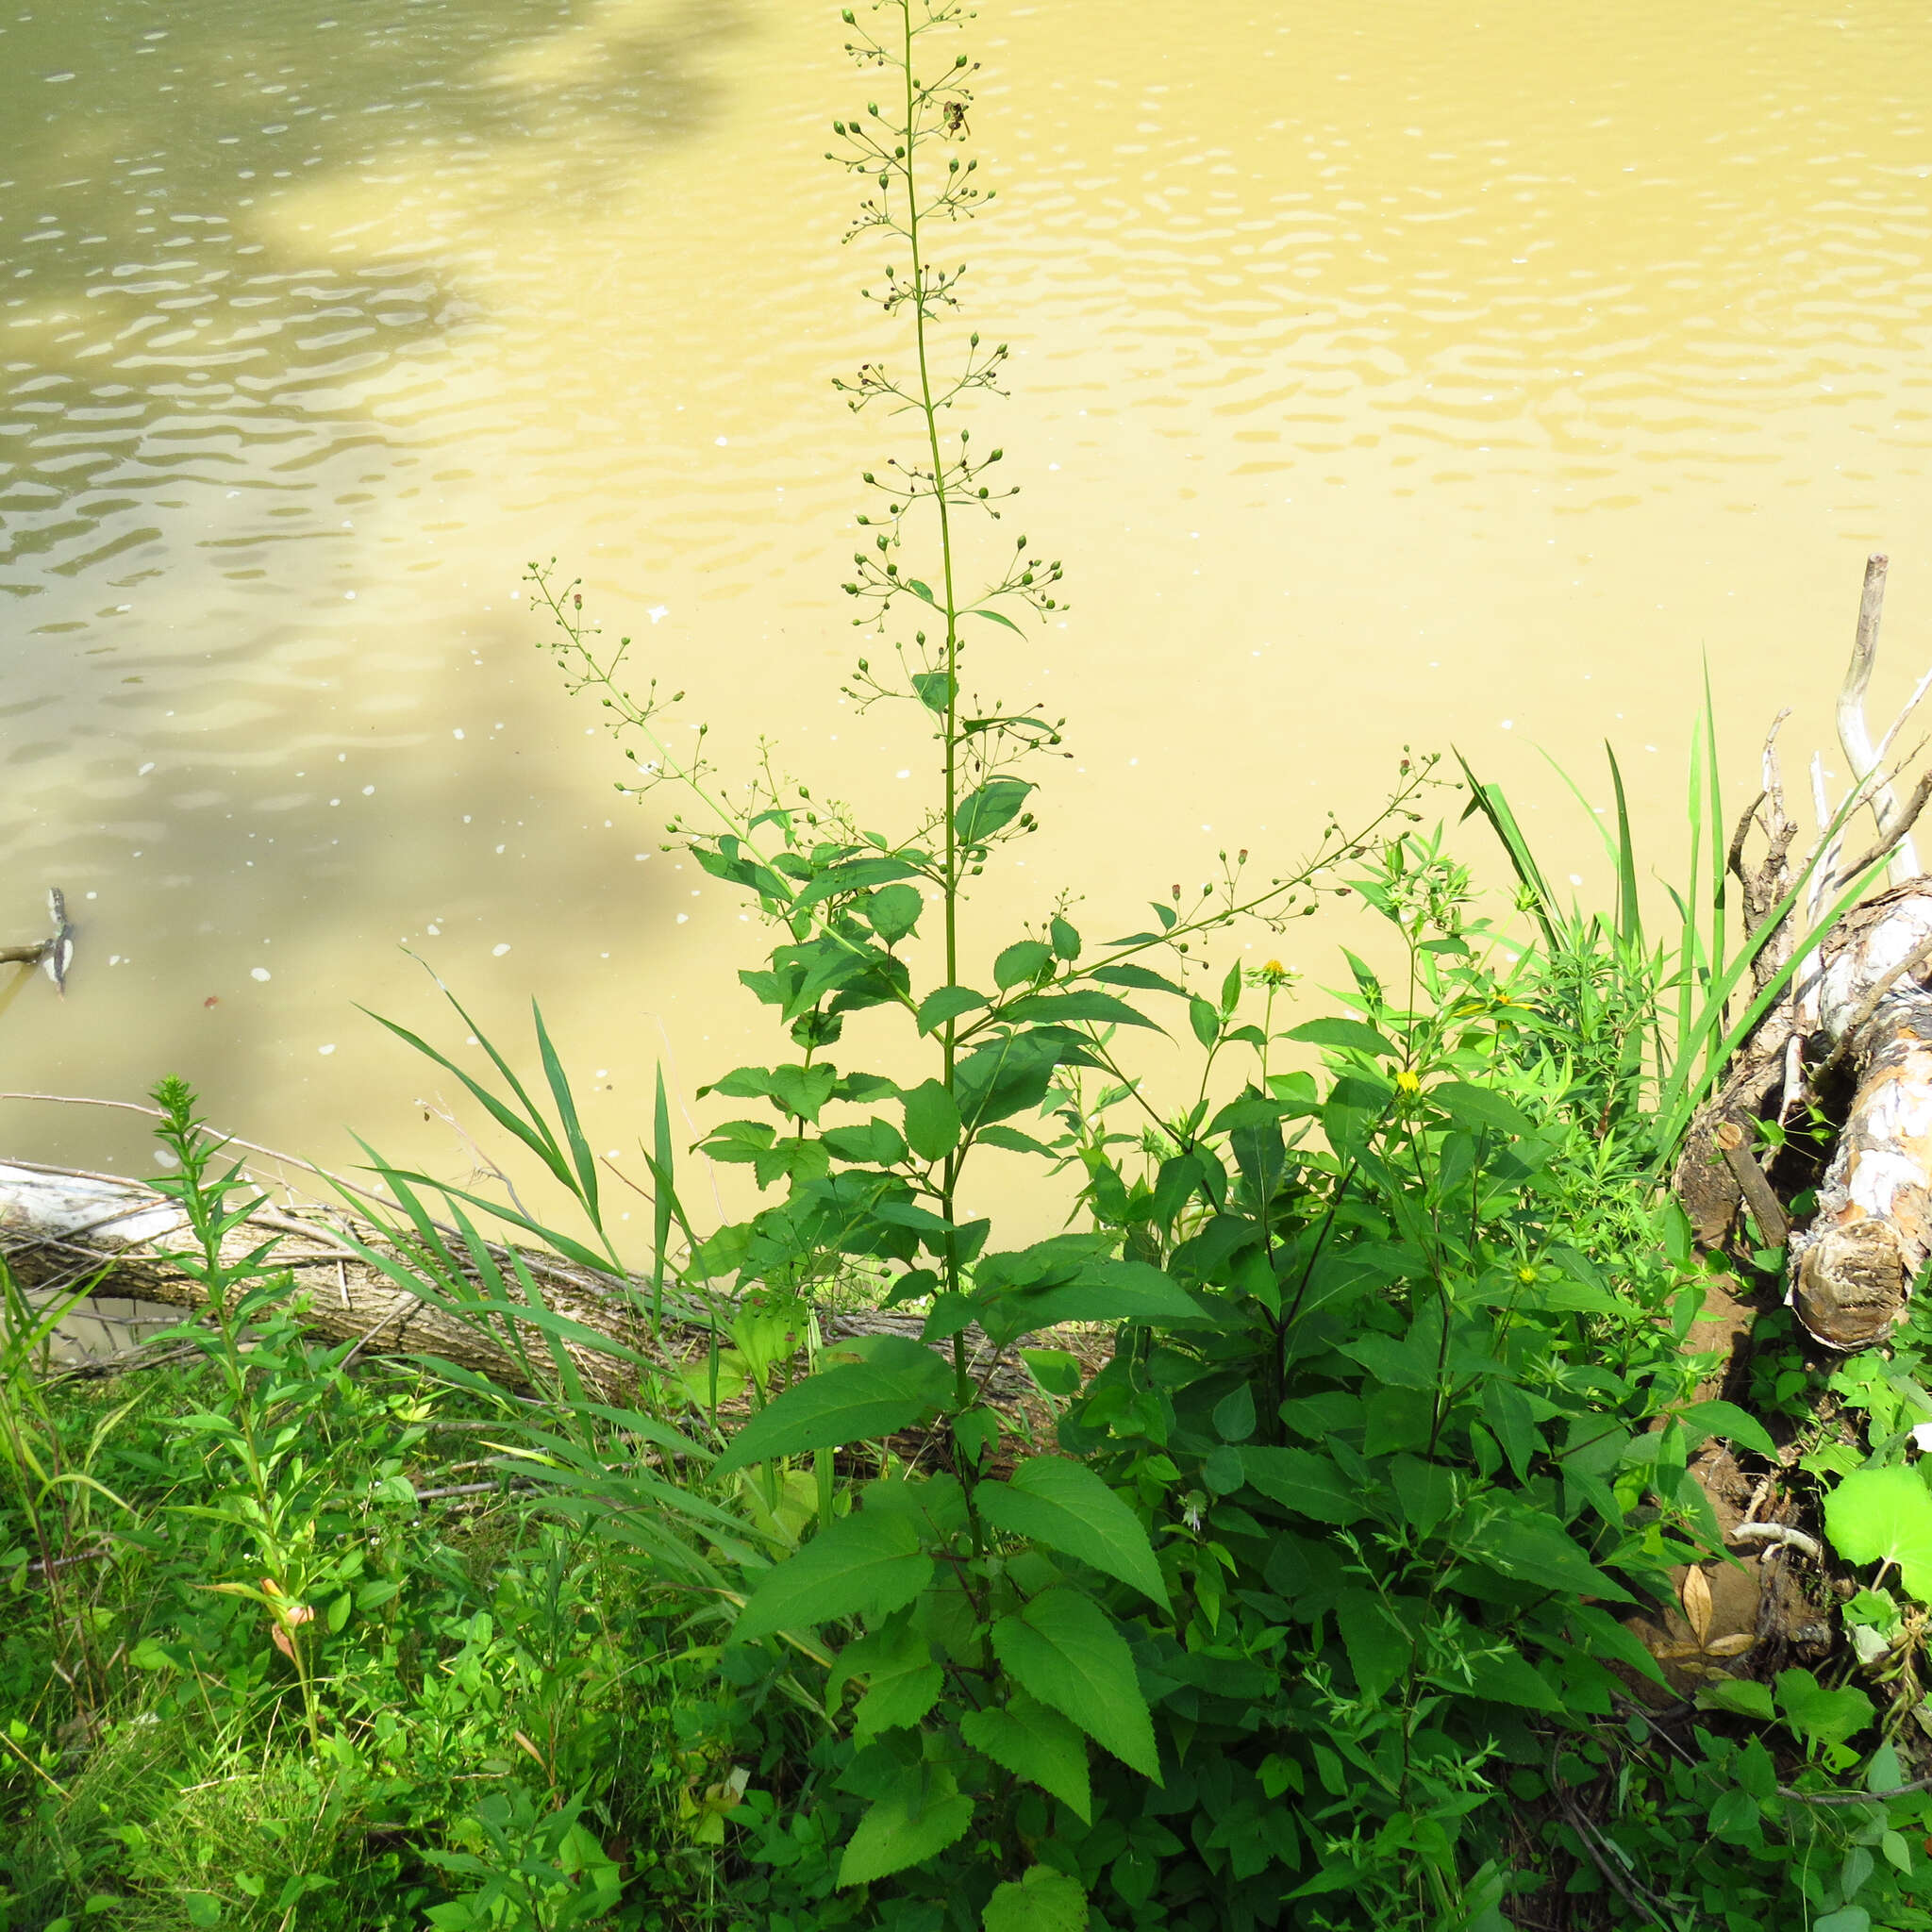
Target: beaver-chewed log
x,y
1862,999
60,1228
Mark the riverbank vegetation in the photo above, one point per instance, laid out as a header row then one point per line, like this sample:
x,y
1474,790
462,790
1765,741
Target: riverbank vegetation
x,y
1357,1516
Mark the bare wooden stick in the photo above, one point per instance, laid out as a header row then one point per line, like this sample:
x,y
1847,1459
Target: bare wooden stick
x,y
1759,1194
1852,730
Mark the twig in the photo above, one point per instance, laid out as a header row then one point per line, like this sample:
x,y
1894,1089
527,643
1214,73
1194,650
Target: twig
x,y
1918,1784
1626,1884
1734,860
94,1556
369,1334
1895,825
1779,1533
474,1490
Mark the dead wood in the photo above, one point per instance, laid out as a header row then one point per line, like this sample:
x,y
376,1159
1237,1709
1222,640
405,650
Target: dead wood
x,y
62,1227
1857,1001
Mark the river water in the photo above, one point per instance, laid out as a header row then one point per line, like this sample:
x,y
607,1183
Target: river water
x,y
1386,377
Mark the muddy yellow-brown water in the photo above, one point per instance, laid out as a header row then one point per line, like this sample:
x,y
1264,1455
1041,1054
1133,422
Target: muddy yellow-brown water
x,y
1385,377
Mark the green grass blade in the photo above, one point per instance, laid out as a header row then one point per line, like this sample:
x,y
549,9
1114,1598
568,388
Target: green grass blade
x,y
1681,1095
1629,915
581,1156
538,1140
662,1161
1489,801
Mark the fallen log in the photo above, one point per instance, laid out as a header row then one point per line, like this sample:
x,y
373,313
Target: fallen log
x,y
61,1227
1861,1002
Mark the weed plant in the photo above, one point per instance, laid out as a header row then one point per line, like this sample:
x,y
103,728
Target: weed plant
x,y
1314,1611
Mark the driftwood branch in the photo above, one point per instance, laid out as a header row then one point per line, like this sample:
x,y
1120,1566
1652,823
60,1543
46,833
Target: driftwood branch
x,y
1852,729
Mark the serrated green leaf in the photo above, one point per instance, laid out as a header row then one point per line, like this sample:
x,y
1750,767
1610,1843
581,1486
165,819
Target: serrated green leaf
x,y
1019,962
994,805
899,1384
909,1825
947,1003
1063,1650
866,1565
892,911
1066,1507
1044,1900
1305,1482
1035,1743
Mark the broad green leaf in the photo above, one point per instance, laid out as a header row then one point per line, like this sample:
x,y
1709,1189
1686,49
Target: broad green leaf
x,y
1821,1716
1066,940
1234,1414
1066,1507
1305,1482
1056,1372
865,1565
906,1827
1137,975
1537,1551
1064,1651
899,1384
1739,1696
1348,1036
1884,1516
1701,1419
1204,1018
1505,1678
1480,1108
854,876
1019,962
1086,1004
993,806
897,1698
1379,1649
1035,1743
1427,1491
1108,1291
932,1121
936,690
947,1003
1042,1900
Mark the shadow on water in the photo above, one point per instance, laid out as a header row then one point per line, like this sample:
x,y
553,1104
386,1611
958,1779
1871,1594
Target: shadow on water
x,y
164,318
241,248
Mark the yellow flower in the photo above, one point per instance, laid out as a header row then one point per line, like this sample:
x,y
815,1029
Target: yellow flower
x,y
1406,1082
1526,1275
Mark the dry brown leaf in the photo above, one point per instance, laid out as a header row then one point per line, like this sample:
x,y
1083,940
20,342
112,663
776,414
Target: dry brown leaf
x,y
1696,1599
1730,1646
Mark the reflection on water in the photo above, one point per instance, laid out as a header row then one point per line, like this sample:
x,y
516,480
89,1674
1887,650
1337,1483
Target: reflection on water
x,y
1384,379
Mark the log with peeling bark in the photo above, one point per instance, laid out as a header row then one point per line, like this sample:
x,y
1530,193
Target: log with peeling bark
x,y
62,1227
1860,1001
